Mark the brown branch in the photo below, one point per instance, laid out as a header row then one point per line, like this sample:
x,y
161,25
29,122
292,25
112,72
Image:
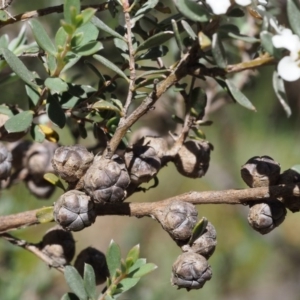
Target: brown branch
x,y
33,248
46,11
237,196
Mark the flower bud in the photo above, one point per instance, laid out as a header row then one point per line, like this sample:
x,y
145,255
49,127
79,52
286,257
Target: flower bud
x,y
290,176
74,211
264,217
38,158
192,160
96,259
40,188
107,179
205,245
260,171
179,219
5,162
190,271
59,245
71,162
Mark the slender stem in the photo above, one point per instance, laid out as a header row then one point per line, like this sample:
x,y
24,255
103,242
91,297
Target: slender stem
x,y
234,196
33,248
46,11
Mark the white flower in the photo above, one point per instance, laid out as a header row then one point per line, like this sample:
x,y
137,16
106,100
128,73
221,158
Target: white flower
x,y
219,7
289,66
243,2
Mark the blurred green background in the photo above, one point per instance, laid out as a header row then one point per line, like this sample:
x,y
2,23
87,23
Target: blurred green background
x,y
245,264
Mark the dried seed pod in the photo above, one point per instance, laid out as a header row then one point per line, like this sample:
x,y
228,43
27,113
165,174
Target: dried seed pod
x,y
191,271
205,245
18,151
38,158
260,171
74,211
71,162
290,176
264,217
159,144
107,179
40,188
96,259
192,160
5,162
59,245
179,219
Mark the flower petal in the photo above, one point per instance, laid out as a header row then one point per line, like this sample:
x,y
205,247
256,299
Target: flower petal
x,y
286,39
243,2
219,7
288,69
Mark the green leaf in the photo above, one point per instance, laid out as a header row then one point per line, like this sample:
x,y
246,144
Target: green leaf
x,y
153,73
89,48
133,254
4,41
37,134
52,63
198,230
113,258
155,40
75,282
18,41
126,284
293,12
110,65
20,122
4,109
266,41
42,37
90,33
102,26
218,51
279,89
238,96
45,215
188,29
89,281
18,67
69,296
88,14
144,270
139,262
55,112
121,44
71,60
147,6
69,29
53,179
177,36
33,95
68,9
192,10
56,85
105,105
153,53
61,37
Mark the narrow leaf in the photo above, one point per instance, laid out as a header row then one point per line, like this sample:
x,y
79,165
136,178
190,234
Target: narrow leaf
x,y
89,281
126,284
53,179
198,230
113,258
68,8
105,105
102,26
75,282
144,270
177,36
218,51
42,37
18,67
20,122
147,6
89,31
45,214
37,134
139,262
69,296
293,12
61,37
279,89
56,85
87,14
33,95
189,29
89,48
155,40
134,253
110,65
238,96
192,10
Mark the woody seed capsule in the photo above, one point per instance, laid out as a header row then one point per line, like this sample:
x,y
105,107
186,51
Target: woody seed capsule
x,y
5,162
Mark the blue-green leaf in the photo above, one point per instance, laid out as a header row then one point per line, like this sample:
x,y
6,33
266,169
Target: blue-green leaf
x,y
18,67
218,51
68,9
42,37
20,122
88,49
102,26
56,85
113,258
126,284
192,10
110,65
293,12
69,296
147,6
144,270
75,282
55,111
89,281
